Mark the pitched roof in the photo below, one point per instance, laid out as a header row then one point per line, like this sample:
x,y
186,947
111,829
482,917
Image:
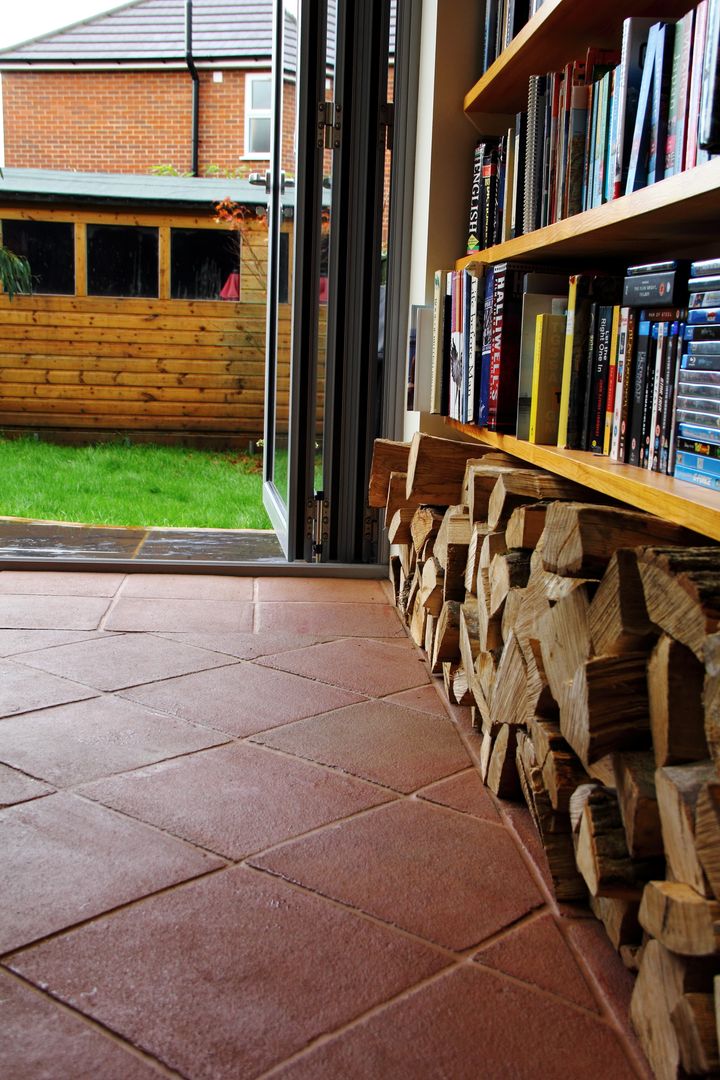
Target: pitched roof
x,y
154,30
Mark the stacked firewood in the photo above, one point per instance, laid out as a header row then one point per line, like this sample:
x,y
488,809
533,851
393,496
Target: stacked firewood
x,y
586,638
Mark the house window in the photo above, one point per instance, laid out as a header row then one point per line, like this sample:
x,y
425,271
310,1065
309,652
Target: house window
x,y
257,116
284,283
122,260
204,264
49,248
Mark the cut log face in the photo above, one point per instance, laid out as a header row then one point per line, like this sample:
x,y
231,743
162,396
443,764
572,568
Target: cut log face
x,y
675,694
479,532
510,571
658,989
502,777
606,708
526,525
509,699
694,1021
417,622
455,530
399,527
581,538
493,544
479,481
431,587
489,626
447,633
436,467
522,486
682,592
618,615
424,526
711,697
388,457
564,641
456,683
678,788
620,919
396,497
681,919
486,672
561,770
635,785
707,833
601,852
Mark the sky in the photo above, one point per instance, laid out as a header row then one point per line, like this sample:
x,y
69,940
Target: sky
x,y
20,21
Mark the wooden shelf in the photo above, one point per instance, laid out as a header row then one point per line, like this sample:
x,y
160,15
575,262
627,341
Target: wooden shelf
x,y
680,213
675,500
560,31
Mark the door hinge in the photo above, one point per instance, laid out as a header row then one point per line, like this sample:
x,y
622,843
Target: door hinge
x,y
329,134
317,526
387,124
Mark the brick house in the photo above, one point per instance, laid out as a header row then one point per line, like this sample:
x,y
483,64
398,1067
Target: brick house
x,y
114,93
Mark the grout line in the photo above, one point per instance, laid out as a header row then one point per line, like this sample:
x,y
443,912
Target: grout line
x,y
96,1025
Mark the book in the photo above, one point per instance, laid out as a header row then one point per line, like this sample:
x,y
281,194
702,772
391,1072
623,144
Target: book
x,y
547,378
660,101
485,348
678,97
475,223
647,409
704,267
704,316
505,345
653,268
599,371
694,476
475,274
490,168
702,449
508,187
641,290
709,119
439,345
702,333
534,143
710,299
626,341
706,283
696,74
422,317
701,462
661,334
638,389
638,160
577,134
518,194
457,347
612,380
632,59
700,363
542,293
703,348
669,399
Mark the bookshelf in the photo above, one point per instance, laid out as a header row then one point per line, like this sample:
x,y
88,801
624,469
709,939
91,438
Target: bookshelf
x,y
676,217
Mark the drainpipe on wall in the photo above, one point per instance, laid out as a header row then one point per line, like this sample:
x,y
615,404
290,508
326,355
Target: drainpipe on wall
x,y
195,88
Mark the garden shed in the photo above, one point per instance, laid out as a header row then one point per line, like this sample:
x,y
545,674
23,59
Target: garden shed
x,y
147,315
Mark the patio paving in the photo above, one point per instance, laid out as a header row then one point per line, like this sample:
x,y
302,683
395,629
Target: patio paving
x,y
257,845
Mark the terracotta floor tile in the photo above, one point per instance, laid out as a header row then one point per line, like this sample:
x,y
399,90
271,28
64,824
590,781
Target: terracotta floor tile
x,y
424,698
448,878
536,952
470,1025
333,620
188,587
465,793
66,859
367,667
246,646
388,744
71,744
236,799
67,583
529,837
320,590
134,613
13,642
16,787
40,1039
22,690
241,699
113,662
52,612
277,968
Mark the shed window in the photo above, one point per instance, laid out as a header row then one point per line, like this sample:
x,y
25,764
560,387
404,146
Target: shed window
x,y
49,248
202,262
122,260
257,115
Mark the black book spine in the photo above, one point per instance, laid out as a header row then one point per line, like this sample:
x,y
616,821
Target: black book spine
x,y
624,439
638,389
600,379
670,376
648,419
590,360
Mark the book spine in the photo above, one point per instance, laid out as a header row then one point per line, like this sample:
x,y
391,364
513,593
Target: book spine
x,y
637,162
489,185
474,226
484,392
701,363
660,98
700,462
590,362
706,450
619,383
671,140
437,341
706,283
565,432
701,333
669,382
612,388
709,120
704,316
641,290
655,411
576,149
628,379
695,92
638,394
600,381
647,421
698,478
688,29
704,267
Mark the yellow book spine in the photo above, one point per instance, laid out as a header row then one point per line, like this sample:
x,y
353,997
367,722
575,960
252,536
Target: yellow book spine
x,y
612,379
537,366
567,363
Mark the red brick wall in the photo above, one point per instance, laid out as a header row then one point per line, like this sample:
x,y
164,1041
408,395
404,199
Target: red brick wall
x,y
124,122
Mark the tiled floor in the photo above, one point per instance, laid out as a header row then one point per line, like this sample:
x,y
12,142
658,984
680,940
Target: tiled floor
x,y
242,836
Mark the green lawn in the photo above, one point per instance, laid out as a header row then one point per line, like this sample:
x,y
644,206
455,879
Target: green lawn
x,y
119,484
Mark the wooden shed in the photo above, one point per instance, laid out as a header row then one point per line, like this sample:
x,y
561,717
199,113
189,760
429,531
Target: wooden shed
x,y
147,315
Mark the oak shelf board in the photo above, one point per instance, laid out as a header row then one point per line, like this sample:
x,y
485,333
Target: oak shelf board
x,y
685,504
560,31
681,210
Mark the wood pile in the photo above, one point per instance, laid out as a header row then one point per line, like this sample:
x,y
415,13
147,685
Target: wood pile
x,y
586,639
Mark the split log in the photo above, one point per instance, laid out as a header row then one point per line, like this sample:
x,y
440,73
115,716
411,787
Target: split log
x,y
486,673
565,640
522,486
436,467
601,852
510,571
429,632
455,529
675,694
618,616
399,527
478,534
553,827
414,589
509,698
408,559
493,544
620,919
682,592
663,980
456,683
707,833
582,537
606,708
680,919
396,497
511,610
489,626
469,639
388,457
603,771
502,776
478,484
561,770
431,586
418,619
711,697
485,755
424,526
634,775
694,1021
678,789
541,703
447,634
394,572
526,525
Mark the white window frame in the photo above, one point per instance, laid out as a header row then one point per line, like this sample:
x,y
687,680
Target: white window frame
x,y
254,114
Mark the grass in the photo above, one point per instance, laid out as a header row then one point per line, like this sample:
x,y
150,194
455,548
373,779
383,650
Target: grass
x,y
132,485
